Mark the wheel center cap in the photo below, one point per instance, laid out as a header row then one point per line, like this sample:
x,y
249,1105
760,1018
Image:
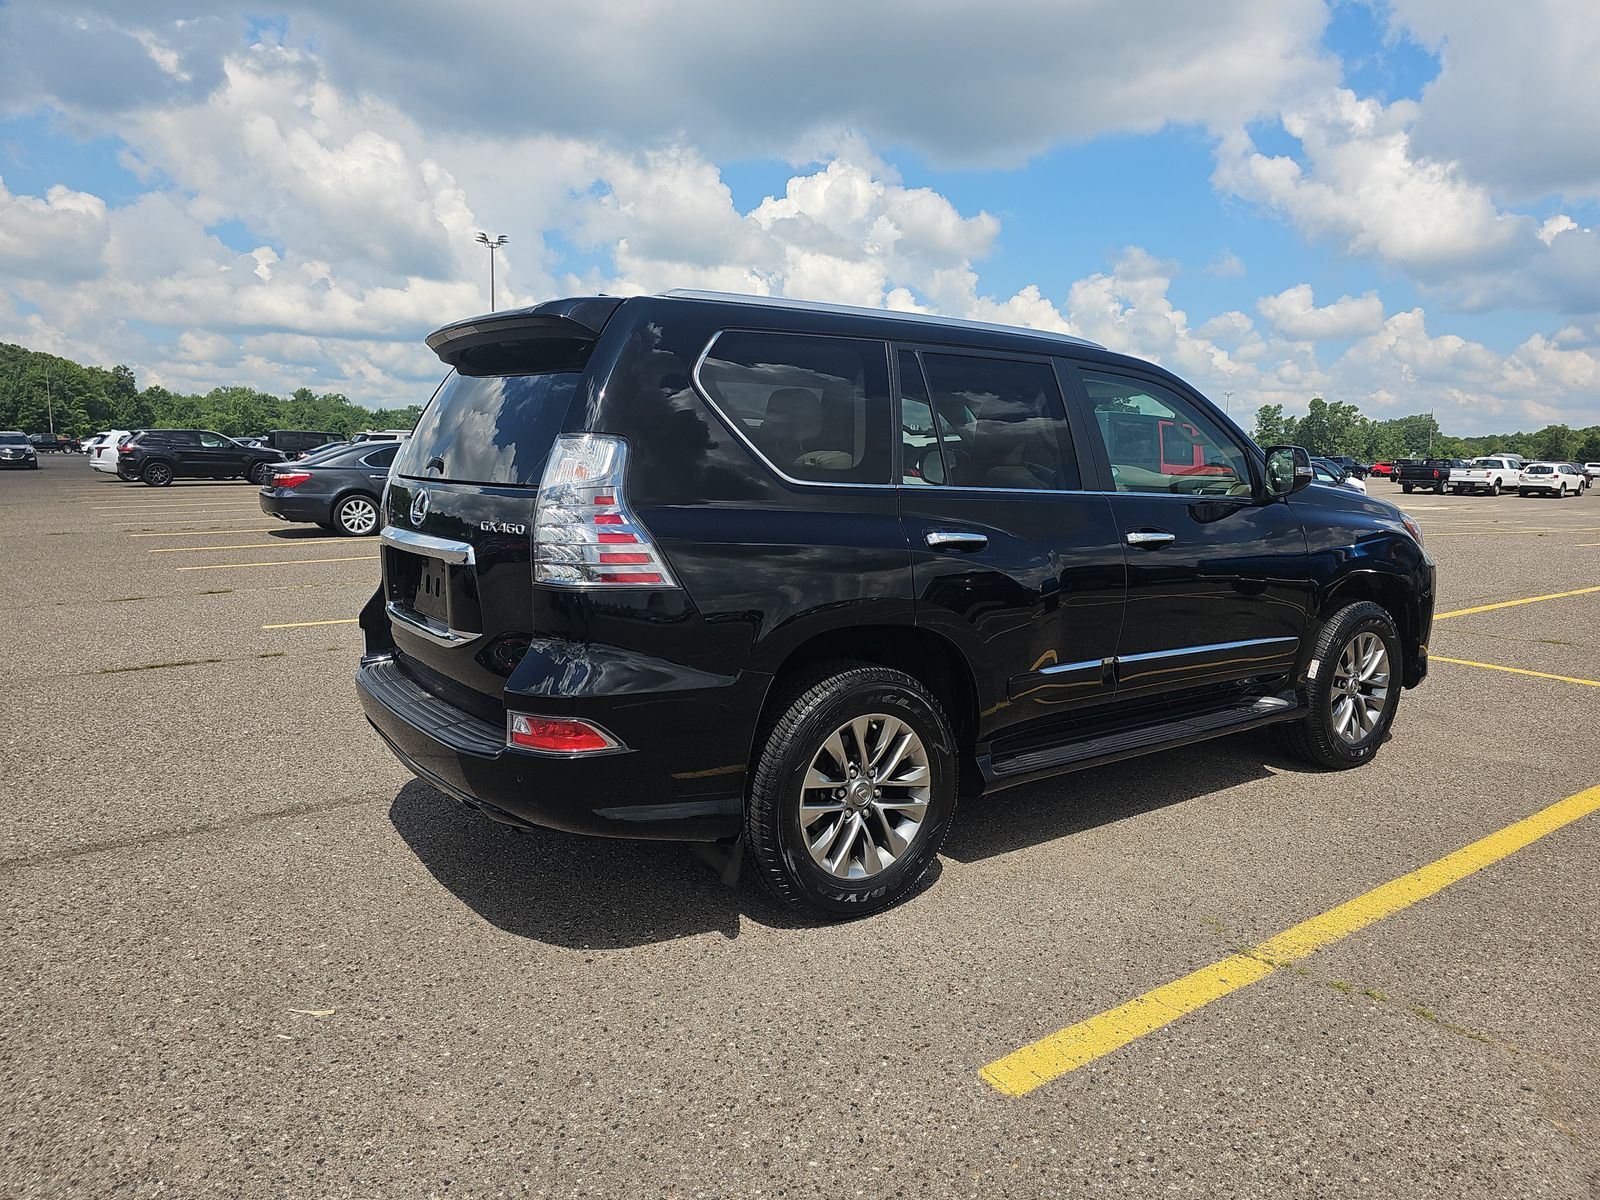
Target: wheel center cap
x,y
859,793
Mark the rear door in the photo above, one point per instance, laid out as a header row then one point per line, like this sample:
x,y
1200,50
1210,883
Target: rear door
x,y
1218,583
1012,560
458,536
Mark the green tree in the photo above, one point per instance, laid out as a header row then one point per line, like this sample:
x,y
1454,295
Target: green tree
x,y
1272,427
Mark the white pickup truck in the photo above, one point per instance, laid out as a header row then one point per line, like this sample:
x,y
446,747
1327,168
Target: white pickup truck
x,y
1493,475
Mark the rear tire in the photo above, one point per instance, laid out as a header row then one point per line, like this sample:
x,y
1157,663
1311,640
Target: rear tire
x,y
356,516
1406,488
1494,488
838,725
259,473
156,474
1350,711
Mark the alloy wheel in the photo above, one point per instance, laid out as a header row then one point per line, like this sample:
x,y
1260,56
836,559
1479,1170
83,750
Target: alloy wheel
x,y
1360,688
357,515
865,796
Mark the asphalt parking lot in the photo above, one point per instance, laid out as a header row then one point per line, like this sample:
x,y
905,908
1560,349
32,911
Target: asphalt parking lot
x,y
247,955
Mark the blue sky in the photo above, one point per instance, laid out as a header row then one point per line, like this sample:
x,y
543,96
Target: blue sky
x,y
1391,203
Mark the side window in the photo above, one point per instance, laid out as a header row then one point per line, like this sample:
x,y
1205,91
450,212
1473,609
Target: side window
x,y
817,408
919,440
213,441
382,458
1159,441
1000,423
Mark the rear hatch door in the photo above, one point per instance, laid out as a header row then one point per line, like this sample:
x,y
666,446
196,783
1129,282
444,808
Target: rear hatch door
x,y
457,543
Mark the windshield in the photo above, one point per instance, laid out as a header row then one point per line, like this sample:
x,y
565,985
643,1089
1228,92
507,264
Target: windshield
x,y
495,429
13,439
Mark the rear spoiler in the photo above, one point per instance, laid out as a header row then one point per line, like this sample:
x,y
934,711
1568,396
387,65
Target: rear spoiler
x,y
565,330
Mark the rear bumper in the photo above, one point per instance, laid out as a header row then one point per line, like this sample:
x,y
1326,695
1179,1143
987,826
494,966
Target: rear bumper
x,y
289,507
627,794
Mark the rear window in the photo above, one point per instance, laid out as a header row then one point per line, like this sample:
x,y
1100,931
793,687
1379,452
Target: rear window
x,y
494,429
816,408
1541,470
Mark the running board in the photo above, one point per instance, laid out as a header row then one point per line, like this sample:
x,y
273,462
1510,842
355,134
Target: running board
x,y
1124,743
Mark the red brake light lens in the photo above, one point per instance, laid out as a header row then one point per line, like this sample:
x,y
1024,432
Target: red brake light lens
x,y
289,479
557,735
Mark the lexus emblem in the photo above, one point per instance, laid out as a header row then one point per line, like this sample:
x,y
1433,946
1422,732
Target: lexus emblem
x,y
419,506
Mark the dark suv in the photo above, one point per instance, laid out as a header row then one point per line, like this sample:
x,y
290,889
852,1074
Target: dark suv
x,y
158,456
715,568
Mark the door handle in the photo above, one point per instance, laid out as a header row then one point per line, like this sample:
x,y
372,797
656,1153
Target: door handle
x,y
940,539
1150,539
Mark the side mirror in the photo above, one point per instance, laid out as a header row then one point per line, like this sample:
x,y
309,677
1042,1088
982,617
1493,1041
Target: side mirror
x,y
1288,470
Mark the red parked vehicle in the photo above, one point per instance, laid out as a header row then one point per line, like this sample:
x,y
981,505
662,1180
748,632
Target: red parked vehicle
x,y
1381,468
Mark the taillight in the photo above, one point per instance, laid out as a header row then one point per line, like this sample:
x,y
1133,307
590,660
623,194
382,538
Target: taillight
x,y
557,735
125,448
584,535
289,479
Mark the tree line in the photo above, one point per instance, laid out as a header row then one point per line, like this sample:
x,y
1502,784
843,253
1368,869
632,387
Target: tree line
x,y
1340,428
35,387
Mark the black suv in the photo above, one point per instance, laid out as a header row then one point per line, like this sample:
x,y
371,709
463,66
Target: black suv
x,y
716,568
158,456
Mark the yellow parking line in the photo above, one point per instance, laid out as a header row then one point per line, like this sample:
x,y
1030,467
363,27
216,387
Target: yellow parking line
x,y
1481,532
197,532
1035,1065
248,545
287,562
178,508
1466,662
308,624
1462,612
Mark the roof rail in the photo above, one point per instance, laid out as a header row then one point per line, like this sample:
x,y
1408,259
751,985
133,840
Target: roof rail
x,y
859,311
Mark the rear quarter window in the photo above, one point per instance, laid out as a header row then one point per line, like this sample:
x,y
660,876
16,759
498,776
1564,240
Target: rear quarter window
x,y
815,408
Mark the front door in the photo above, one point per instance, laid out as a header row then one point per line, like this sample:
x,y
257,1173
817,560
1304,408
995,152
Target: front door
x,y
1218,596
219,455
1012,560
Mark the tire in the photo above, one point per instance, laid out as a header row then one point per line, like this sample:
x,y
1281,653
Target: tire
x,y
826,706
1494,488
1406,488
259,473
1438,489
1317,737
356,515
156,474
1523,492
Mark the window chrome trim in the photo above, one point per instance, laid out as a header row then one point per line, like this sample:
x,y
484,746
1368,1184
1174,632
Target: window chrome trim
x,y
1288,643
459,553
435,631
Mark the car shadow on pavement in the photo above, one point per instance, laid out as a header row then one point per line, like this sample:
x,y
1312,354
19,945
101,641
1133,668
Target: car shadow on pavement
x,y
575,891
1032,814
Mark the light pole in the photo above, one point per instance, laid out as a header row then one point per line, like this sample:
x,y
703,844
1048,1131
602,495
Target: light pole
x,y
1228,403
494,244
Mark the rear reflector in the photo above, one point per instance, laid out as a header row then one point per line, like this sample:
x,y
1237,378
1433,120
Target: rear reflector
x,y
556,735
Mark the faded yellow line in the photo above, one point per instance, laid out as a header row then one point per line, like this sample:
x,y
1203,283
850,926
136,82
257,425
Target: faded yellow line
x,y
1481,532
308,624
1462,612
1035,1065
287,543
287,562
1467,662
197,532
